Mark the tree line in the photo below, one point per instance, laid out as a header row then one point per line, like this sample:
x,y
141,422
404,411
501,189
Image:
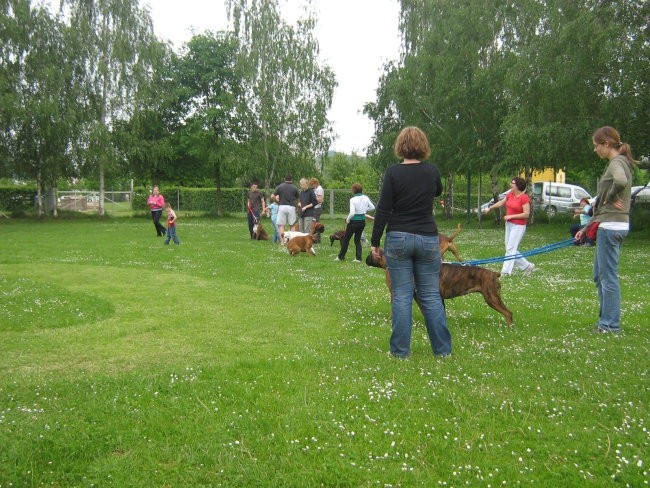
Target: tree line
x,y
88,91
502,86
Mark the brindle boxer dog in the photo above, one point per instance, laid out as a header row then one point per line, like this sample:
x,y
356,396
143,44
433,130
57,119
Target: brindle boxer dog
x,y
259,232
337,236
457,280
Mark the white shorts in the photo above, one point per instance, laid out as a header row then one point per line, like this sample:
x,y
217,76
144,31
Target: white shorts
x,y
286,215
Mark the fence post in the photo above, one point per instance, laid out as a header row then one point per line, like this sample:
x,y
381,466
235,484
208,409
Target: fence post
x,y
331,204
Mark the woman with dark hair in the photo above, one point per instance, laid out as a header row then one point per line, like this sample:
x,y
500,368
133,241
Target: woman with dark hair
x,y
412,251
612,211
356,220
517,212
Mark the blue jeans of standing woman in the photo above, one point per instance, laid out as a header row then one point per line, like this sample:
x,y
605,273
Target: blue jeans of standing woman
x,y
414,262
608,250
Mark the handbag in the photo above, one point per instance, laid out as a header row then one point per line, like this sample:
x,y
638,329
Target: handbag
x,y
592,230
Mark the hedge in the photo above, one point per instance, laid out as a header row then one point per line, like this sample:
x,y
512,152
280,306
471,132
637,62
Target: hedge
x,y
13,199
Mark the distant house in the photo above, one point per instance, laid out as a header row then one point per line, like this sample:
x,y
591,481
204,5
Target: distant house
x,y
547,175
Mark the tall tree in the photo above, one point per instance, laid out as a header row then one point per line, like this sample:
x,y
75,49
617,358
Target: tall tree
x,y
207,72
40,90
287,92
114,39
447,83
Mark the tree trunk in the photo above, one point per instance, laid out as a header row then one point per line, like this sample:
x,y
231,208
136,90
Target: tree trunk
x,y
39,194
217,177
449,198
51,196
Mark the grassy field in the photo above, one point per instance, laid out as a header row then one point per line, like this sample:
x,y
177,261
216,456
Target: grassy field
x,y
225,362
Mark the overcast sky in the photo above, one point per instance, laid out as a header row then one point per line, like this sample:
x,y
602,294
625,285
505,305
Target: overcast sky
x,y
356,38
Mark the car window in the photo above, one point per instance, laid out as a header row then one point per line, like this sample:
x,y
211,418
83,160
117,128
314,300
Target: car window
x,y
580,194
564,192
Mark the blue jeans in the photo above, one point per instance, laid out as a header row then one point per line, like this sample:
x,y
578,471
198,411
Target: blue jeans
x,y
276,232
414,263
608,250
171,234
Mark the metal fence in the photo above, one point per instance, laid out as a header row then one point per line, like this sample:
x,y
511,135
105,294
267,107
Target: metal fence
x,y
88,200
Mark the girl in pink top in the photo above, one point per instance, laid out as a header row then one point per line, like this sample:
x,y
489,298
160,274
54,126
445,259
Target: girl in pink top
x,y
156,204
517,212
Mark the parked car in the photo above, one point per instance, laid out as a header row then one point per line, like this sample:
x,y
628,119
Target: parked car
x,y
641,193
557,197
491,200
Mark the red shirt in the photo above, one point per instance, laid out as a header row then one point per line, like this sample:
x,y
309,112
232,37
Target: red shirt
x,y
515,205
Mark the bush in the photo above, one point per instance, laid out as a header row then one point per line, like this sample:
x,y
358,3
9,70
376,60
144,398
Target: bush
x,y
196,199
17,199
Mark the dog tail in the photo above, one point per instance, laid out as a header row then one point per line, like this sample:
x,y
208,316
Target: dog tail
x,y
455,233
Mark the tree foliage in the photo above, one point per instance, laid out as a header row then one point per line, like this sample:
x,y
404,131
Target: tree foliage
x,y
502,86
286,91
113,44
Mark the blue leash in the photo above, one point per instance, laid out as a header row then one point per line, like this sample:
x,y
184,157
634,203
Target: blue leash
x,y
532,252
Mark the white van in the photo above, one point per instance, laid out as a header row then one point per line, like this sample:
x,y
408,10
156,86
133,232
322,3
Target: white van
x,y
557,197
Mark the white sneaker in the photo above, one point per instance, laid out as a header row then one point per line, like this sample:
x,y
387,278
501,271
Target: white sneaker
x,y
529,269
337,259
356,261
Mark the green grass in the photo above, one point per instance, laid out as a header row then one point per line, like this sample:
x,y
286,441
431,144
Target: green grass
x,y
225,362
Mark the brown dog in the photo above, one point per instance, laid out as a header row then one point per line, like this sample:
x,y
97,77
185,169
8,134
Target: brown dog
x,y
259,232
337,236
457,280
305,243
446,243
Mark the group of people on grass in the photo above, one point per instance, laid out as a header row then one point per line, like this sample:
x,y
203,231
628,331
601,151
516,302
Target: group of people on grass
x,y
288,206
411,246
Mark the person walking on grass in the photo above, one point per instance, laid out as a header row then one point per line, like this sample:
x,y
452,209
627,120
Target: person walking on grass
x,y
356,220
287,195
156,204
517,213
171,225
405,209
256,207
612,212
306,204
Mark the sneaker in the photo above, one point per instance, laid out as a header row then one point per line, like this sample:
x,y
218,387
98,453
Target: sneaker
x,y
337,259
529,269
356,261
600,330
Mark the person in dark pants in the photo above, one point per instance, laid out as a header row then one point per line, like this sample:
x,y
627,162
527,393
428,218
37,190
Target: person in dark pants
x,y
256,206
156,204
356,219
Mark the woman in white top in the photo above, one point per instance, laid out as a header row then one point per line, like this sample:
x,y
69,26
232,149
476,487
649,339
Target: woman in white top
x,y
359,205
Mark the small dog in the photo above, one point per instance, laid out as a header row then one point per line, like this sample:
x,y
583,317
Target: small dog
x,y
457,280
446,244
316,229
337,236
259,232
305,243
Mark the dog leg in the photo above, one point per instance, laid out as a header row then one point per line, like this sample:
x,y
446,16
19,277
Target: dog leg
x,y
492,297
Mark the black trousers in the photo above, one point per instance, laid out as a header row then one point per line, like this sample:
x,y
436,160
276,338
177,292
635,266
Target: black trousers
x,y
155,215
251,222
354,228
